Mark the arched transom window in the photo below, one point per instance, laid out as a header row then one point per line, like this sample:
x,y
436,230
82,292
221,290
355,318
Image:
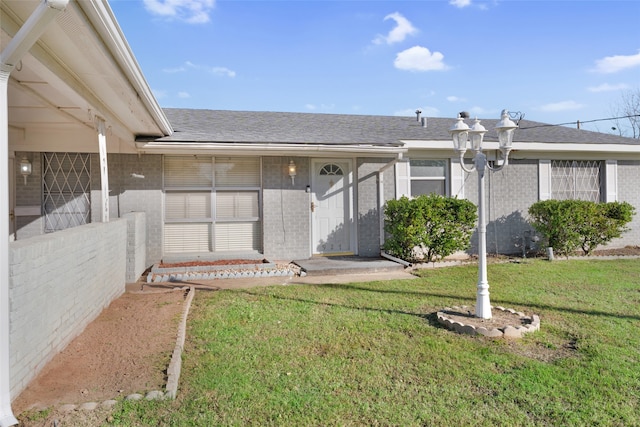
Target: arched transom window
x,y
331,169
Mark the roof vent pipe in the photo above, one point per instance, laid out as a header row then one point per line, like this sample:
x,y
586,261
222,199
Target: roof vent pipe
x,y
418,112
424,122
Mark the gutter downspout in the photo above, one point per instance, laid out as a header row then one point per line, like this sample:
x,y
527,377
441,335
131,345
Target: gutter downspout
x,y
19,45
381,172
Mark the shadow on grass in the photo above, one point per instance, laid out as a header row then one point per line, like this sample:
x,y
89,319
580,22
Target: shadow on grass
x,y
494,301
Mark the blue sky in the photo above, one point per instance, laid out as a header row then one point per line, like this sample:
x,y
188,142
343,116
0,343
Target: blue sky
x,y
554,61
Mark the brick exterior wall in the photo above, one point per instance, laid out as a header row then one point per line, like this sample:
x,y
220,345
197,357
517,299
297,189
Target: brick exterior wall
x,y
629,191
285,209
508,195
136,245
130,194
368,215
29,194
58,284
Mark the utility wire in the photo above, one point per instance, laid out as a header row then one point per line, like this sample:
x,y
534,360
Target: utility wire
x,y
581,122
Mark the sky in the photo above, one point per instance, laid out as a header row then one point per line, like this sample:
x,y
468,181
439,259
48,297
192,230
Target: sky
x,y
552,61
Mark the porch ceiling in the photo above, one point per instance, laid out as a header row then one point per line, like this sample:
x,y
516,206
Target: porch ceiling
x,y
80,69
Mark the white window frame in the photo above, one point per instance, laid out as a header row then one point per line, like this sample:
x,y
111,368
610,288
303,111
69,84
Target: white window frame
x,y
445,179
212,220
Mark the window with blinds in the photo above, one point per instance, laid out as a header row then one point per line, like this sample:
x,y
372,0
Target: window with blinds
x,y
212,204
428,176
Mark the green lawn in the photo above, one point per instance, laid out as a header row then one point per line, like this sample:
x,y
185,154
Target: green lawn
x,y
373,354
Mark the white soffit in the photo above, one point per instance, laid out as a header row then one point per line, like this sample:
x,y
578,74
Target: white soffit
x,y
71,76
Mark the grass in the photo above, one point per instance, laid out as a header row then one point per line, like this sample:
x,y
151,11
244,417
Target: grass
x,y
373,354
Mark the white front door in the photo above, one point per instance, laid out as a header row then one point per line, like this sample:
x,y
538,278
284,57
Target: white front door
x,y
332,212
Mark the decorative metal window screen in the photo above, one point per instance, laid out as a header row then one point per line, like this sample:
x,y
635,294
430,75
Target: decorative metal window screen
x,y
572,179
66,190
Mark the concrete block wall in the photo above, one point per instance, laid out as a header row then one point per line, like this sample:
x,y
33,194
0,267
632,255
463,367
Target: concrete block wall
x,y
58,284
368,215
629,191
286,209
135,184
29,194
136,245
508,195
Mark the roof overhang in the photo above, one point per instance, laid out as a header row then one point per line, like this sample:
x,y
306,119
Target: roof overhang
x,y
536,149
270,149
81,70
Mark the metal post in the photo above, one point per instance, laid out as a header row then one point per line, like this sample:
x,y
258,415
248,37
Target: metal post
x,y
483,305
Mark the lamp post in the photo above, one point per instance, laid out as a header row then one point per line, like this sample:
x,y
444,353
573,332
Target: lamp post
x,y
460,133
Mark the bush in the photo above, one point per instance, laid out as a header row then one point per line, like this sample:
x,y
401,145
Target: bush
x,y
436,225
571,224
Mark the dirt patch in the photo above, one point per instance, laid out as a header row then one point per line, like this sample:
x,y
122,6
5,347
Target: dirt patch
x,y
499,319
125,350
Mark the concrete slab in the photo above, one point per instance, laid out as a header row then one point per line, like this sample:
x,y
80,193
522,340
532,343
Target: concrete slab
x,y
334,265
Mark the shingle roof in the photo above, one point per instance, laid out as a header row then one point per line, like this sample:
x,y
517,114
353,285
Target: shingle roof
x,y
193,125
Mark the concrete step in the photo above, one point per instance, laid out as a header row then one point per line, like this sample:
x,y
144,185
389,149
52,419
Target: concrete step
x,y
328,265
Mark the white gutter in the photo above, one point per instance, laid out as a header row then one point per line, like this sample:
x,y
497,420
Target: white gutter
x,y
269,149
20,44
547,147
114,38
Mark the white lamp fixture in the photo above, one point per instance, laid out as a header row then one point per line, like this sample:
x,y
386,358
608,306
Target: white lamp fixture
x,y
292,172
25,168
460,132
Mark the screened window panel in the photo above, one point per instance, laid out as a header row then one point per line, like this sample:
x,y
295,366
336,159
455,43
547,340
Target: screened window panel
x,y
428,168
188,172
420,187
187,205
576,180
237,172
237,205
238,236
183,238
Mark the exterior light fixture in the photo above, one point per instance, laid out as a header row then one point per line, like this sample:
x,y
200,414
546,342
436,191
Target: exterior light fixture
x,y
460,133
25,168
292,172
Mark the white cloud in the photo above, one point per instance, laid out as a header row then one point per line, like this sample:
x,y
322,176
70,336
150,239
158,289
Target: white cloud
x,y
560,106
398,33
218,71
613,64
606,87
184,95
223,71
419,58
455,99
460,3
190,11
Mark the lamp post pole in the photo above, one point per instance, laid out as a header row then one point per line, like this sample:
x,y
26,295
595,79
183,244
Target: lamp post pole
x,y
460,133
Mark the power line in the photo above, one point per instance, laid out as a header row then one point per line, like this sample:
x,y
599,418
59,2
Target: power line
x,y
581,122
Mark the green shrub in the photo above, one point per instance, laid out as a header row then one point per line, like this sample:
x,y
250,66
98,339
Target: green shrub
x,y
568,225
437,225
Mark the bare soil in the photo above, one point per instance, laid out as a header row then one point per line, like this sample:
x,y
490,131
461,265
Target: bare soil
x,y
125,350
128,348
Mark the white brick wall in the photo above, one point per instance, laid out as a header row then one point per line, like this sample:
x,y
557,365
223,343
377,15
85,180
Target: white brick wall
x,y
58,283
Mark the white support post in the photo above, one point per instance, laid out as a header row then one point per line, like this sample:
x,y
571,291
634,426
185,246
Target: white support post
x,y
19,45
104,169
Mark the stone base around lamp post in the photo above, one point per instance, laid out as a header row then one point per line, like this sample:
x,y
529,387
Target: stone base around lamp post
x,y
505,323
